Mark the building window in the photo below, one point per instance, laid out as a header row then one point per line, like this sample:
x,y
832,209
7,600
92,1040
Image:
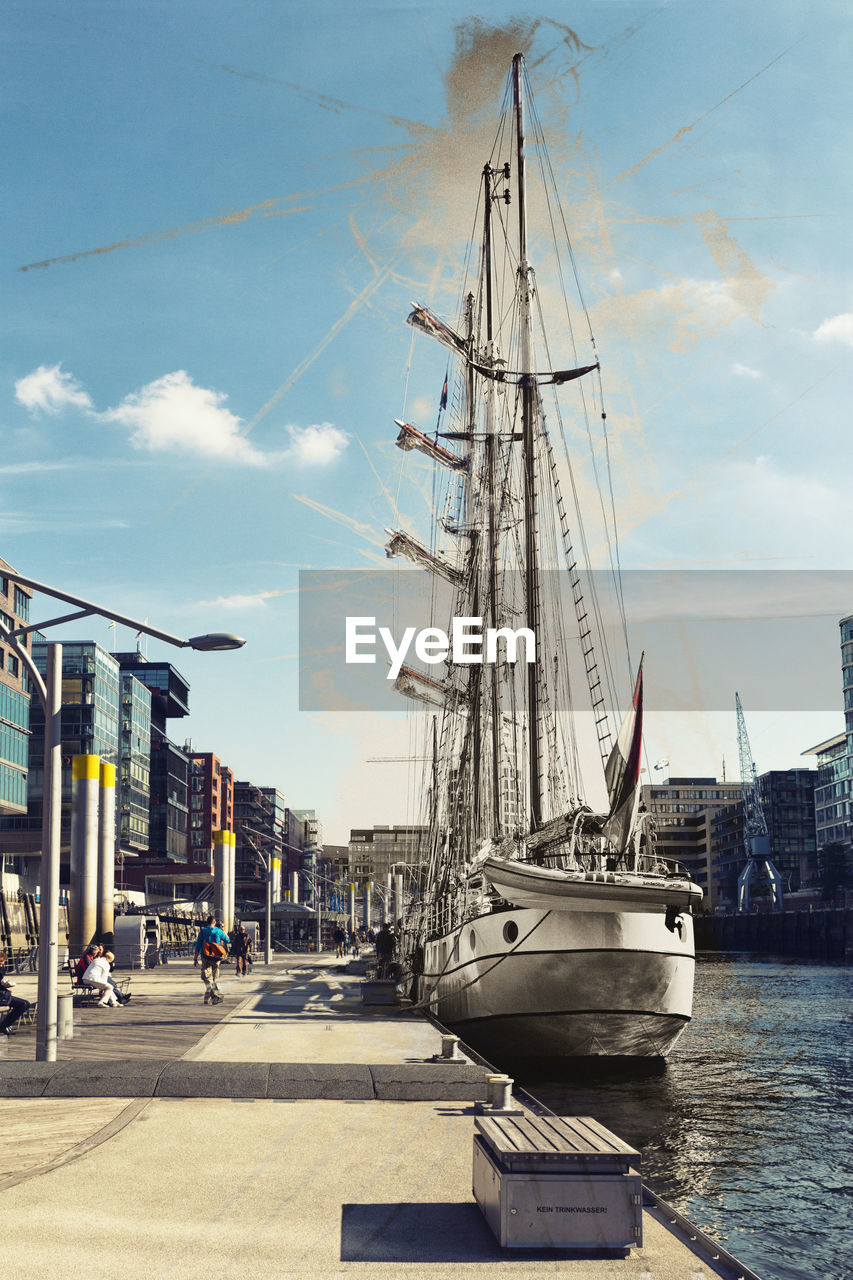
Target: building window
x,y
12,665
22,604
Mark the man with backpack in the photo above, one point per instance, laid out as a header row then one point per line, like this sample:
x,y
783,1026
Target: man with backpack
x,y
211,948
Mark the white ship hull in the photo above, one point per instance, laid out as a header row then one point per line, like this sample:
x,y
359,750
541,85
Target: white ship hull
x,y
582,982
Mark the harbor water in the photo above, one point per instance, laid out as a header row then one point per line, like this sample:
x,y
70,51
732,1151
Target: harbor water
x,y
747,1129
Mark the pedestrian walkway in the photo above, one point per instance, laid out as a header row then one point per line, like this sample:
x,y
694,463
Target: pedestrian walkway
x,y
166,1016
315,1186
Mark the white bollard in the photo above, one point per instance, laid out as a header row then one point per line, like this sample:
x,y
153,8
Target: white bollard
x,y
450,1048
499,1092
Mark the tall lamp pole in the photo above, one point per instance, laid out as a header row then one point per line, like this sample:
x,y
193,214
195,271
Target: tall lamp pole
x,y
50,696
266,863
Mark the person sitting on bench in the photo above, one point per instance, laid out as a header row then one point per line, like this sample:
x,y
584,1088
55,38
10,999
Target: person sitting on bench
x,y
98,975
93,950
14,1007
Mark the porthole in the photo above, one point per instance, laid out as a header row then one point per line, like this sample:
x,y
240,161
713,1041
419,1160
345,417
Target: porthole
x,y
510,931
473,940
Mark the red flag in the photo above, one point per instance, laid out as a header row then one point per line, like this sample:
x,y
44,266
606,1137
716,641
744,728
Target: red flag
x,y
623,772
443,401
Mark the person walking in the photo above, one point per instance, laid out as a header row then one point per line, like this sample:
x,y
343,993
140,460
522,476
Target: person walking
x,y
13,1007
386,945
211,947
240,950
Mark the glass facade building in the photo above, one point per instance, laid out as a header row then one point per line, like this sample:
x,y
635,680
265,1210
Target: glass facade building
x,y
134,777
834,790
14,732
89,720
14,699
168,814
90,716
14,722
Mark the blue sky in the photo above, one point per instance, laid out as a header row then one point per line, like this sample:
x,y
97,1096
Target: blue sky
x,y
216,217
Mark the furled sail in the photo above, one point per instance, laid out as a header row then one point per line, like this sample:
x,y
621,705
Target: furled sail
x,y
424,320
411,438
622,772
403,544
414,684
554,377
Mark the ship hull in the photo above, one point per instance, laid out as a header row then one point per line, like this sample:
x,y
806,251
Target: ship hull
x,y
528,983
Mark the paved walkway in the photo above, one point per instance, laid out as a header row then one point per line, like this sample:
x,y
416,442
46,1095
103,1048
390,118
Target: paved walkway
x,y
199,1186
165,1018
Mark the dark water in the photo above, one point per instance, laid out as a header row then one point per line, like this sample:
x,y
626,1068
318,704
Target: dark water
x,y
748,1128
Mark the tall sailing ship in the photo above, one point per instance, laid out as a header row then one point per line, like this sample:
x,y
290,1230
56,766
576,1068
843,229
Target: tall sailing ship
x,y
539,927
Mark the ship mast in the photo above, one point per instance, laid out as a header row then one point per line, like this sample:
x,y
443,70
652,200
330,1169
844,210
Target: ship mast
x,y
491,504
528,446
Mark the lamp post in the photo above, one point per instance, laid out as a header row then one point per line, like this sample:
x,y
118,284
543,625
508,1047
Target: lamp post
x,y
267,864
313,879
50,695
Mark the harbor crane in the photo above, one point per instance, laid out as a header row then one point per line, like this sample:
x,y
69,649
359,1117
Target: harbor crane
x,y
756,838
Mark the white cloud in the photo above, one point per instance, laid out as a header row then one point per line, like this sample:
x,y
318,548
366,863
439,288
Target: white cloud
x,y
173,414
744,371
50,390
238,602
317,445
836,329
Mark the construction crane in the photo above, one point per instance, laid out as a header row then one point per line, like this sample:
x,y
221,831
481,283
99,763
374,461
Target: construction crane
x,y
756,838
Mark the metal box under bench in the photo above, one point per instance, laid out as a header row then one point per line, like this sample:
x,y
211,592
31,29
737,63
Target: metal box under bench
x,y
557,1182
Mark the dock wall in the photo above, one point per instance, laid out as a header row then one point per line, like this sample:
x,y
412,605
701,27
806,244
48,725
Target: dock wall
x,y
822,935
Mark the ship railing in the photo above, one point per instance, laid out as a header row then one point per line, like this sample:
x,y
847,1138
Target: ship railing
x,y
643,863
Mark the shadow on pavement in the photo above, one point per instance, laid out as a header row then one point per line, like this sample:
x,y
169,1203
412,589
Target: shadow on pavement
x,y
435,1233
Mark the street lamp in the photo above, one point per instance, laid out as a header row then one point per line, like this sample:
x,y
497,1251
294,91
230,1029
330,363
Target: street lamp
x,y
213,643
313,878
267,864
50,695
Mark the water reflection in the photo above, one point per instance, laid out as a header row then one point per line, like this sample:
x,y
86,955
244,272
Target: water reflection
x,y
747,1127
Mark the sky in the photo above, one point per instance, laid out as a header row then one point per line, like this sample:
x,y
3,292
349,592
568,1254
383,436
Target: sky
x,y
216,219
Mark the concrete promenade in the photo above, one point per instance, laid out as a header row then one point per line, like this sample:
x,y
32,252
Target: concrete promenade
x,y
342,1149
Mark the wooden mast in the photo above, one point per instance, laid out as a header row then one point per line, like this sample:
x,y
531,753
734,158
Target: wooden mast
x,y
491,502
528,445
